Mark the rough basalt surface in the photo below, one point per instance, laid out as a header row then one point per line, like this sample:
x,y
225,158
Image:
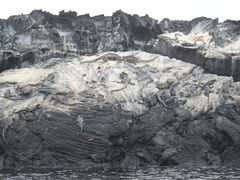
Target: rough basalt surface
x,y
117,111
38,36
213,46
80,92
26,39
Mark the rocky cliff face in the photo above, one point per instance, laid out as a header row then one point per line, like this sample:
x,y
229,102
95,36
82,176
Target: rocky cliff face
x,y
39,36
26,39
117,111
205,42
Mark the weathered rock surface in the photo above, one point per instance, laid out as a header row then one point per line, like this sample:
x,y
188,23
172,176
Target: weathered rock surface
x,y
27,39
117,110
205,42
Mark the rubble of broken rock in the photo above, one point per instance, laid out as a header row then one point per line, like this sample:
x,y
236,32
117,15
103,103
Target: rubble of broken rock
x,y
117,111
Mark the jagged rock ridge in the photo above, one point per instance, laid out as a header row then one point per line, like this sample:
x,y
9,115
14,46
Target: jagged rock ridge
x,y
209,44
41,35
26,39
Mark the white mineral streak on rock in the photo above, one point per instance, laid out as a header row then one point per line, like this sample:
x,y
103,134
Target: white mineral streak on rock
x,y
26,76
80,122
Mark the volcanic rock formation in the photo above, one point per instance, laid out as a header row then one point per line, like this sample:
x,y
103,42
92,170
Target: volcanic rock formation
x,y
117,110
80,92
26,39
215,47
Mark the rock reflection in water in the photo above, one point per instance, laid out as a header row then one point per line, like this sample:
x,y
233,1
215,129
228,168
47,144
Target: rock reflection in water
x,y
196,173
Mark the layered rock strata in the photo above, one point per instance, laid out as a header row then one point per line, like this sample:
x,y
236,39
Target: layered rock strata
x,y
39,36
213,46
117,111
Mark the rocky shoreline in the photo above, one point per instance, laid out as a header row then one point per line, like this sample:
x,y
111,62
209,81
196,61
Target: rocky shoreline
x,y
70,100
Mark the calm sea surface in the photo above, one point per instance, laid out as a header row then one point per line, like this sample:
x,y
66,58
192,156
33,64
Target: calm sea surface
x,y
195,173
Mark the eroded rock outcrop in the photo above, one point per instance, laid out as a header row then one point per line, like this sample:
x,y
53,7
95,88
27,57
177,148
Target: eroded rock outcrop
x,y
117,110
26,39
39,36
213,46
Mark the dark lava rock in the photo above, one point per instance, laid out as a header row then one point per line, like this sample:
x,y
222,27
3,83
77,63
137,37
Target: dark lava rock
x,y
205,42
117,110
106,113
26,39
39,36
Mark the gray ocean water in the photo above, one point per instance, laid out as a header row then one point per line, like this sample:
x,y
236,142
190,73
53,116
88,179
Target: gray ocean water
x,y
194,173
